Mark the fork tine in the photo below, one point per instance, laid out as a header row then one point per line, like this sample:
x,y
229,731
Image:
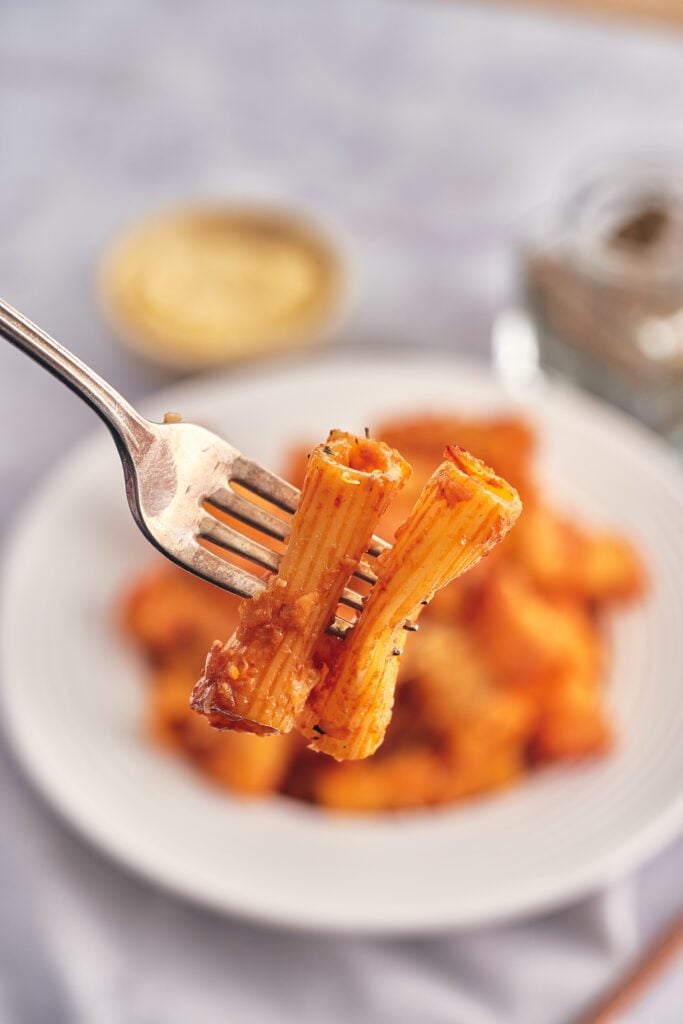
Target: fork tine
x,y
351,599
214,530
246,511
378,546
284,495
266,484
364,572
214,569
241,508
340,627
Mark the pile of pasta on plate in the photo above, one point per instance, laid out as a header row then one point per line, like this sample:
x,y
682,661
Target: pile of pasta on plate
x,y
504,676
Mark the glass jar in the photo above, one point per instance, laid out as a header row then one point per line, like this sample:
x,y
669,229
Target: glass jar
x,y
605,289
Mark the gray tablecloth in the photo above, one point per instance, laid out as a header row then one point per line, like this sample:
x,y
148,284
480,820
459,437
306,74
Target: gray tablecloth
x,y
435,134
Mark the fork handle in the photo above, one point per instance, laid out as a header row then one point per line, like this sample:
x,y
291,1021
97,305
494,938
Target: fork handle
x,y
131,432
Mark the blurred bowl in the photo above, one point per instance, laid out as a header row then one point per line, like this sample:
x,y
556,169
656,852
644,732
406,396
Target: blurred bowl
x,y
204,285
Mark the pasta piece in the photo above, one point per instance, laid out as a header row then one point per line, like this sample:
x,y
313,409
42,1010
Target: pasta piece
x,y
482,731
171,723
260,679
572,723
240,761
488,741
248,764
561,557
506,442
530,641
402,780
476,768
173,615
455,685
463,511
609,569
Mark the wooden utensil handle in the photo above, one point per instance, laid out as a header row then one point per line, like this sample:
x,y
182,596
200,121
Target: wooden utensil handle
x,y
639,978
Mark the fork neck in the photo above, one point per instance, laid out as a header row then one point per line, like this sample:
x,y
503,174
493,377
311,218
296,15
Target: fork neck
x,y
132,432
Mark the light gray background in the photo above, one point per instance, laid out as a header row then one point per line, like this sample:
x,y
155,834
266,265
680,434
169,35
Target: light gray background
x,y
435,134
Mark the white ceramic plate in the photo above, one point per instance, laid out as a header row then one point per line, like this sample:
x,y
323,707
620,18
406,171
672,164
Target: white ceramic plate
x,y
73,694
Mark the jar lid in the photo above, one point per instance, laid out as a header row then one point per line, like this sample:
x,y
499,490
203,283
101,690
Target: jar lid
x,y
625,225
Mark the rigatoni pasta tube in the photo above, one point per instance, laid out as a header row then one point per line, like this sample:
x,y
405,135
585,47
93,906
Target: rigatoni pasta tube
x,y
462,512
260,679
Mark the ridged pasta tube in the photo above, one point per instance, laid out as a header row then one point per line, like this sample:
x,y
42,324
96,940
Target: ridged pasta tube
x,y
463,511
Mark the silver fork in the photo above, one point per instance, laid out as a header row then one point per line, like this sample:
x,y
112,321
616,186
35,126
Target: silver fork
x,y
172,470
